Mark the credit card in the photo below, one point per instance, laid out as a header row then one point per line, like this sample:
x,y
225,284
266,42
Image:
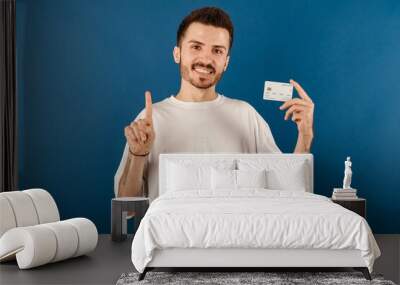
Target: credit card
x,y
278,91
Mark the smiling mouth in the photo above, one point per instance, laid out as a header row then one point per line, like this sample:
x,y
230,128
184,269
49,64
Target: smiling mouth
x,y
203,70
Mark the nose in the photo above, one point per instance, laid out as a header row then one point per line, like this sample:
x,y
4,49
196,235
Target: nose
x,y
206,57
205,60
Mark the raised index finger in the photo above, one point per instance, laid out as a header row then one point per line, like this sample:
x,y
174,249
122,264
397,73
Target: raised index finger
x,y
149,109
300,90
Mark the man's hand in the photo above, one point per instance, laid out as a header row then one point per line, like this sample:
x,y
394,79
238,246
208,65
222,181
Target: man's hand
x,y
140,134
301,110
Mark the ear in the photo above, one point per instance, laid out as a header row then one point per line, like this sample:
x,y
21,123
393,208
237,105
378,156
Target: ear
x,y
177,54
227,62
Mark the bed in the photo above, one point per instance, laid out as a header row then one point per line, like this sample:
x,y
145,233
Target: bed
x,y
247,210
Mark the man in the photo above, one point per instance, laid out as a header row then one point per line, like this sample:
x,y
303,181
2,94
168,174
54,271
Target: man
x,y
198,119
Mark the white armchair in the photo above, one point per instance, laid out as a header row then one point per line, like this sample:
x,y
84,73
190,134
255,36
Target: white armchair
x,y
32,233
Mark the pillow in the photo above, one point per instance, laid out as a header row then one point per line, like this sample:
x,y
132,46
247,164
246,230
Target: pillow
x,y
281,174
251,178
237,179
223,179
185,174
290,179
184,177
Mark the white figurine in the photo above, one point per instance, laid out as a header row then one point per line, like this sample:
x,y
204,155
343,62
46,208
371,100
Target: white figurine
x,y
347,174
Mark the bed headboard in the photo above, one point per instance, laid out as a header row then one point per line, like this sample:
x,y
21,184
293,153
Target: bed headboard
x,y
280,162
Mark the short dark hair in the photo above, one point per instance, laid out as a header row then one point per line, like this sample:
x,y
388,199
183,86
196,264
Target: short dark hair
x,y
209,16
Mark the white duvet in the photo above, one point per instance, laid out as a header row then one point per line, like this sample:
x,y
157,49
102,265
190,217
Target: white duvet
x,y
250,218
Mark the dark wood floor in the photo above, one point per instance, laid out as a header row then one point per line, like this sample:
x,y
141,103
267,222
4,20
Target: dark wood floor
x,y
110,260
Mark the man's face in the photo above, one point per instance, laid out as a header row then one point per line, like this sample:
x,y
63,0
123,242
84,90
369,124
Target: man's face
x,y
203,54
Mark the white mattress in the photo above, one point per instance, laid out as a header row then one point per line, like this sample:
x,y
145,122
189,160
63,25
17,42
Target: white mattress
x,y
250,218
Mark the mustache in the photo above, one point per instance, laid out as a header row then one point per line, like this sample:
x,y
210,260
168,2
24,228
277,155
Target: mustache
x,y
200,64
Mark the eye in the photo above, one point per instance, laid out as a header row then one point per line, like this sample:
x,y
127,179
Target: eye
x,y
196,47
219,51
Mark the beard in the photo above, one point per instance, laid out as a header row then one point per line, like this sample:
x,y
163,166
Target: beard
x,y
198,80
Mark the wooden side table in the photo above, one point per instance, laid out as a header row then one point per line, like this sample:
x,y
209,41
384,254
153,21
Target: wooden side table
x,y
119,210
357,205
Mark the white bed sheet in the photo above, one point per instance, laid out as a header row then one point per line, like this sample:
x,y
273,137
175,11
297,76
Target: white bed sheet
x,y
250,218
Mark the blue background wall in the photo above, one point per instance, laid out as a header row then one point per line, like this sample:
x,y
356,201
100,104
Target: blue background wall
x,y
83,67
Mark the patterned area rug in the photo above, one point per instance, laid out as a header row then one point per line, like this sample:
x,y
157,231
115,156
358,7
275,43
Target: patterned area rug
x,y
270,278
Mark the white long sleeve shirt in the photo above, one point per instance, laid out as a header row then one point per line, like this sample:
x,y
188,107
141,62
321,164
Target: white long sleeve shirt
x,y
222,125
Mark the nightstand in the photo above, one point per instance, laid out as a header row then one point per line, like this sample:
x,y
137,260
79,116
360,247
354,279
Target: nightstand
x,y
357,205
119,210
